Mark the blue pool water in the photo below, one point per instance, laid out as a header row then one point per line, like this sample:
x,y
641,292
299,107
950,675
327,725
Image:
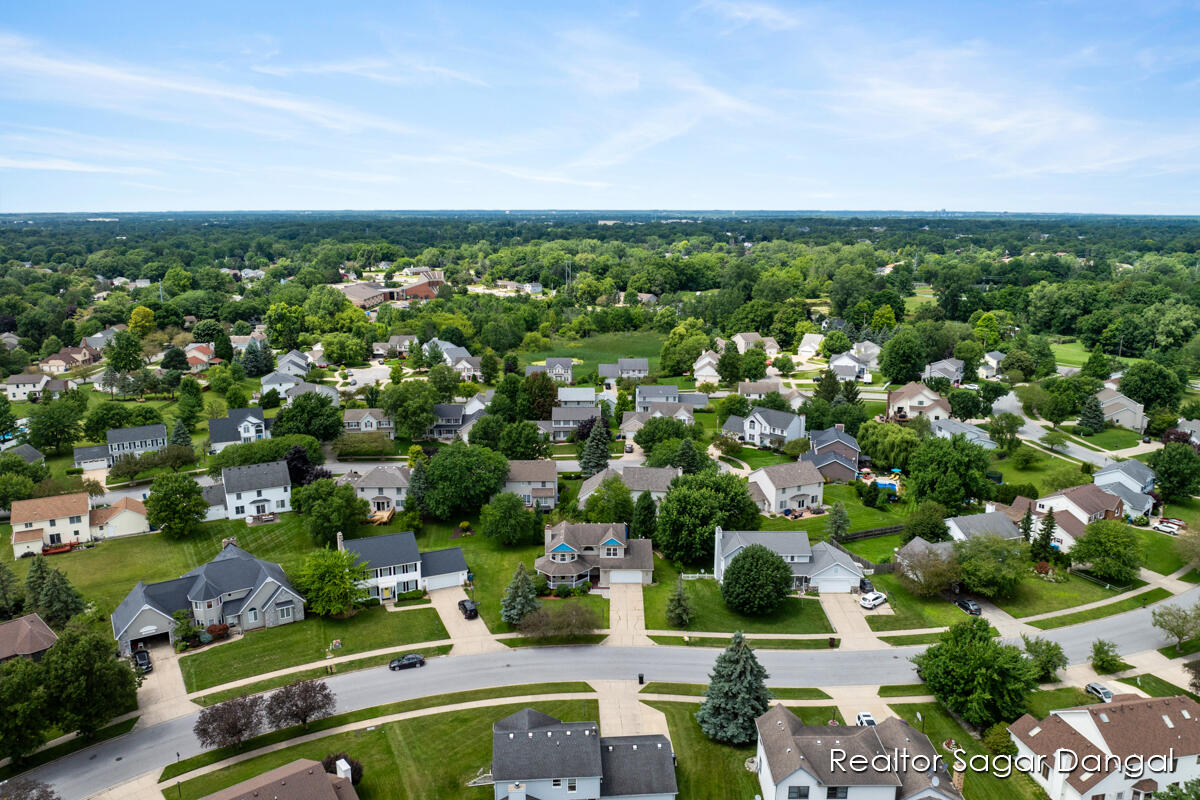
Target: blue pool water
x,y
895,487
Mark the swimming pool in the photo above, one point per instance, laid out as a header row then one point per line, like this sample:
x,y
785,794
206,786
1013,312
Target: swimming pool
x,y
895,487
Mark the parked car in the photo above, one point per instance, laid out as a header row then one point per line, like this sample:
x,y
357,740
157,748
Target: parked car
x,y
141,660
974,387
468,608
865,585
1166,527
864,718
1100,691
1146,440
353,382
969,606
1178,523
872,600
628,447
407,662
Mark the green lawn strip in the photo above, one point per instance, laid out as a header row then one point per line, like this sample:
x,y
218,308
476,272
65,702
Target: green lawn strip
x,y
316,672
419,601
413,759
861,517
912,638
1156,686
66,748
1159,552
1108,439
1079,440
879,549
555,641
1191,576
1128,604
758,644
387,709
1043,701
756,458
1037,596
940,726
909,610
306,641
698,689
1186,648
903,690
795,615
703,764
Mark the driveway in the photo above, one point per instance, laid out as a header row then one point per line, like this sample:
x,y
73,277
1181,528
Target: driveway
x,y
162,695
848,619
470,636
626,616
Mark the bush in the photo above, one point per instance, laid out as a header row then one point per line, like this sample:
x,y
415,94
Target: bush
x,y
464,526
218,632
74,471
563,591
415,594
1141,520
1104,657
1086,468
205,637
329,762
541,585
370,602
997,740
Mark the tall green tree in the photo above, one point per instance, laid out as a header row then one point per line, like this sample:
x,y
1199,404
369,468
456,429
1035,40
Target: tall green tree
x,y
59,600
35,579
838,523
332,581
462,478
328,508
410,405
124,352
88,686
10,592
928,521
521,441
679,607
729,365
903,356
54,426
311,413
1176,470
23,696
595,451
991,566
1026,525
1091,415
1042,547
737,695
693,507
520,598
757,581
176,505
1112,549
950,471
644,512
611,501
506,520
8,420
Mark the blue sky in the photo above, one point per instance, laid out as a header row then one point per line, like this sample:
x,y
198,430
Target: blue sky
x,y
1080,106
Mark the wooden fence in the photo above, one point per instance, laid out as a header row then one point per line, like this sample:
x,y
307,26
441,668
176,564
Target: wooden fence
x,y
870,533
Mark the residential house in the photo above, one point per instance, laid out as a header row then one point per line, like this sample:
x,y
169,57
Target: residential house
x,y
1130,480
368,420
450,351
995,523
632,368
655,480
990,368
810,346
234,589
294,363
469,368
395,565
868,353
765,427
577,397
451,420
70,358
645,395
303,779
126,442
949,368
596,553
537,756
396,345
949,428
704,368
1192,428
385,487
100,339
9,340
834,453
560,369
632,421
33,386
425,288
1162,734
240,343
239,426
916,400
479,402
25,637
795,760
534,481
1067,527
564,421
200,356
1120,410
91,457
645,298
49,522
27,453
757,390
848,367
744,341
305,387
916,549
791,485
820,566
252,490
1087,503
280,382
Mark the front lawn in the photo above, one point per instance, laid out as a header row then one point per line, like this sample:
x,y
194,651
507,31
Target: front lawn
x,y
698,690
1111,438
1035,474
720,642
703,764
756,458
796,615
1041,703
1036,596
879,549
1156,686
1099,612
306,641
911,611
1159,552
861,517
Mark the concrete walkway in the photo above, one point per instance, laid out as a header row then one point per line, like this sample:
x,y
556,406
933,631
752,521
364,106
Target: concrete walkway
x,y
627,617
622,712
470,636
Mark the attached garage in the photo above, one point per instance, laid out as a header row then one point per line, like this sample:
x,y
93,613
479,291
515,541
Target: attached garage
x,y
442,569
832,583
832,571
27,543
146,626
611,576
445,581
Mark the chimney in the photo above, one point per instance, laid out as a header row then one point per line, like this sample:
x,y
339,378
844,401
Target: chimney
x,y
343,768
516,791
340,542
957,777
840,426
548,535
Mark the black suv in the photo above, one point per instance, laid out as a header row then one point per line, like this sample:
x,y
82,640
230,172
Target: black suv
x,y
468,608
141,659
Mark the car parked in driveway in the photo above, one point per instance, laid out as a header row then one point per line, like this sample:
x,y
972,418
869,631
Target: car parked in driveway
x,y
468,608
141,660
1178,523
969,606
1166,527
872,600
1100,691
864,719
407,662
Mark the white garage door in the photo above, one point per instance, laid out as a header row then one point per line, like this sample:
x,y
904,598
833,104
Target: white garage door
x,y
445,581
832,585
98,463
625,576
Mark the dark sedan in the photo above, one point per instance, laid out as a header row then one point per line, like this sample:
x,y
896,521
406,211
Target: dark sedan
x,y
969,606
407,662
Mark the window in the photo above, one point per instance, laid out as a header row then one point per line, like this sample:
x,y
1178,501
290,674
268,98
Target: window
x,y
76,520
238,496
557,783
208,604
259,493
1046,771
837,792
52,523
612,552
252,615
285,613
570,784
55,538
239,510
797,792
279,503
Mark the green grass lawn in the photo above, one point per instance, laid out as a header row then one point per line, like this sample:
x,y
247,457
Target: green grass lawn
x,y
1111,438
756,458
1191,576
1159,552
1036,596
879,549
602,348
705,765
698,690
911,639
1042,702
911,611
875,408
1035,474
903,690
940,726
1156,686
721,642
1187,510
414,759
1186,648
796,615
861,517
305,641
1120,606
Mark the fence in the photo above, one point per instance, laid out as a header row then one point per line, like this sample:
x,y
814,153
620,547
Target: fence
x,y
870,533
698,576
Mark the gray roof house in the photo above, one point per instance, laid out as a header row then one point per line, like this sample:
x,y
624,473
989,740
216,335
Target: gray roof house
x,y
125,442
534,481
240,426
625,368
820,566
564,421
993,522
450,419
655,480
849,367
535,756
252,490
765,427
792,484
599,553
395,565
384,487
1132,481
578,396
305,387
279,381
234,589
949,368
27,453
644,395
949,428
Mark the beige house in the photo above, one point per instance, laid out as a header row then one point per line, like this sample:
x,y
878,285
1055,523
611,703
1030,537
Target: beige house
x,y
68,520
916,400
534,481
126,517
1120,410
368,420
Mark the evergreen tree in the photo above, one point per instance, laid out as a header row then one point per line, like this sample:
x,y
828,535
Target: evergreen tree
x,y
35,579
688,458
58,600
1098,366
737,694
644,513
1042,548
679,608
828,387
10,593
595,451
180,437
838,524
1091,416
1026,525
520,598
849,391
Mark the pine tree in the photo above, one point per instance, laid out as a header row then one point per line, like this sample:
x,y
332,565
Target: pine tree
x,y
1042,548
737,695
10,594
1091,416
1027,525
59,600
181,437
688,458
644,517
838,524
828,387
679,608
849,391
520,599
35,579
595,451
1098,365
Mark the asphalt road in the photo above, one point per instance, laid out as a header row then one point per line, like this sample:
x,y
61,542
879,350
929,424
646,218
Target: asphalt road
x,y
1031,430
115,761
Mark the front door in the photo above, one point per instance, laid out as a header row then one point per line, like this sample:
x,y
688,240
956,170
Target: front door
x,y
385,592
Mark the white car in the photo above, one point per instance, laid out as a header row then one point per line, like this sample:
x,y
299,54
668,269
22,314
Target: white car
x,y
1166,527
864,719
872,600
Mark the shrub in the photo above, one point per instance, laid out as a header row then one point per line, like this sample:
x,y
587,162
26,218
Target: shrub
x,y
218,632
1086,468
564,591
329,762
370,602
1104,657
74,471
205,637
997,740
1141,520
415,594
1042,567
541,585
464,526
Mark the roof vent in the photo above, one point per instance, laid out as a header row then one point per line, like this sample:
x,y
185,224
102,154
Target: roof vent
x,y
1185,713
1167,721
610,748
510,736
568,733
531,734
549,734
789,750
1035,731
635,747
660,745
934,781
1103,717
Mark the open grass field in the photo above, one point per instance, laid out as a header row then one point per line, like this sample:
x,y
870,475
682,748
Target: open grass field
x,y
303,642
796,615
1159,552
911,611
1074,354
1119,607
878,549
1041,703
1035,474
602,348
1035,596
704,764
433,756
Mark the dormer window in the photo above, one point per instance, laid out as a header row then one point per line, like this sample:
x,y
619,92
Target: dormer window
x,y
612,552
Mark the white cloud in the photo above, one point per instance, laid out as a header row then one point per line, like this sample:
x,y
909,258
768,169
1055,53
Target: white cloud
x,y
384,70
763,14
65,165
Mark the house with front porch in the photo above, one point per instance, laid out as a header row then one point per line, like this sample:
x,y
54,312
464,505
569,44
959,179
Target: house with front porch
x,y
395,565
368,420
791,485
598,553
820,566
765,427
534,481
384,487
916,400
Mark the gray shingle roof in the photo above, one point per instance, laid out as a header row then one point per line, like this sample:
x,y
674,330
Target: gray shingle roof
x,y
443,562
574,413
566,363
782,542
137,433
27,453
773,417
225,429
734,424
384,551
530,745
791,473
92,452
1131,467
637,766
255,476
648,391
447,411
608,370
819,439
214,495
820,460
541,469
633,363
994,522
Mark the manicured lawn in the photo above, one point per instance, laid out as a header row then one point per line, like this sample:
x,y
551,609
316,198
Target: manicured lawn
x,y
1191,576
1187,510
1155,686
911,639
1159,552
556,641
306,641
880,549
721,642
1128,604
1186,648
796,615
602,348
756,458
1036,596
1041,703
703,764
1111,438
874,408
903,690
861,517
1035,474
911,611
414,759
698,689
940,726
